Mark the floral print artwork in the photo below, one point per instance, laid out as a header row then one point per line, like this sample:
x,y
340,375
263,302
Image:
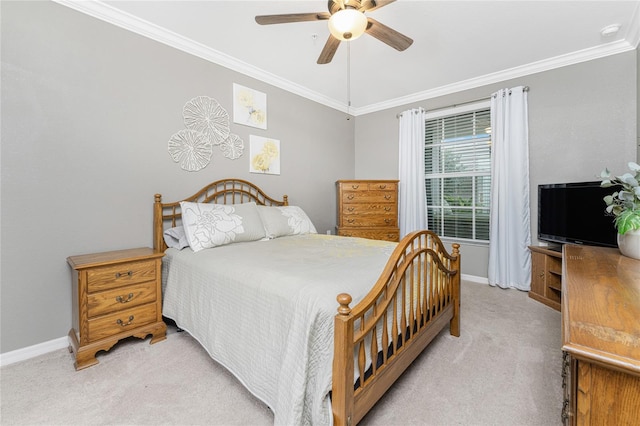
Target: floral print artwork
x,y
249,107
207,124
265,155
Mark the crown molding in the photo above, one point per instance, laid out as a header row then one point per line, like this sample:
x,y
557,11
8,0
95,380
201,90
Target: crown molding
x,y
516,72
109,14
633,36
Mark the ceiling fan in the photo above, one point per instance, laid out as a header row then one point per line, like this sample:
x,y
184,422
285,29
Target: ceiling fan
x,y
347,21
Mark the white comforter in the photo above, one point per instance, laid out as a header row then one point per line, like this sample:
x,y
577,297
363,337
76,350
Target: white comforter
x,y
265,311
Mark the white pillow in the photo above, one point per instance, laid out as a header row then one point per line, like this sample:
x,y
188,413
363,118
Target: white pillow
x,y
283,221
212,225
176,238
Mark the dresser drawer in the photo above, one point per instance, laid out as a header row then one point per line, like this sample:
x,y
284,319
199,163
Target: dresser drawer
x,y
122,321
370,209
368,186
350,197
113,276
370,220
383,186
120,298
392,234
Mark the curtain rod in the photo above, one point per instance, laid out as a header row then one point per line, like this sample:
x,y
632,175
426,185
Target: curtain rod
x,y
524,89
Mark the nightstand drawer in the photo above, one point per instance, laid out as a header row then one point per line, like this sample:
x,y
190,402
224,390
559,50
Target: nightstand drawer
x,y
122,321
108,277
121,298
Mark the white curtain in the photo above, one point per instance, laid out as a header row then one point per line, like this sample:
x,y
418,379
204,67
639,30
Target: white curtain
x,y
412,199
509,229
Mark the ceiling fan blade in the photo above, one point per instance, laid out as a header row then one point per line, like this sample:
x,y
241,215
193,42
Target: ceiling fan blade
x,y
329,50
388,35
369,5
292,17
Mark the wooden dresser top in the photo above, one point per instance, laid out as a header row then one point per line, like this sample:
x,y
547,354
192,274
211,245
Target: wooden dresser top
x,y
601,306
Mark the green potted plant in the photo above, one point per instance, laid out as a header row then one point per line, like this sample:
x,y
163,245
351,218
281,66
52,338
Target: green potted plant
x,y
624,205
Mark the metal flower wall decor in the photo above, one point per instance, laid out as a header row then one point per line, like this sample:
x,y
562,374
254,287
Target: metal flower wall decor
x,y
207,124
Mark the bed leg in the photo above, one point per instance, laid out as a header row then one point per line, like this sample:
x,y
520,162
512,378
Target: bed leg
x,y
342,401
454,325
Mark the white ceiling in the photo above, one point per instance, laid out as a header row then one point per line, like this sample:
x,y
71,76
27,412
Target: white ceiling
x,y
457,44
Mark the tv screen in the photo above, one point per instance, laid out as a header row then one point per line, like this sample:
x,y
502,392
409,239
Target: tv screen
x,y
575,213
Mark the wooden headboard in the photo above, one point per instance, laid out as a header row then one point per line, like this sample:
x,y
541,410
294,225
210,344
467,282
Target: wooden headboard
x,y
225,191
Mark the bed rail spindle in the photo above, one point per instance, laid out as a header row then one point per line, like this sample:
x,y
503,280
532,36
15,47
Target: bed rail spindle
x,y
403,306
374,350
385,338
361,354
411,271
394,331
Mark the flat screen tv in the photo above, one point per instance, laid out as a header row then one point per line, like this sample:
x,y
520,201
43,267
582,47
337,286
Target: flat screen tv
x,y
575,213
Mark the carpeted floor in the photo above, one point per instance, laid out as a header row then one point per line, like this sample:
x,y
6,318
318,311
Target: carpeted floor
x,y
504,369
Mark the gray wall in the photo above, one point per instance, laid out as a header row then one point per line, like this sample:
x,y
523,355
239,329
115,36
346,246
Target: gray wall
x,y
582,118
87,111
88,108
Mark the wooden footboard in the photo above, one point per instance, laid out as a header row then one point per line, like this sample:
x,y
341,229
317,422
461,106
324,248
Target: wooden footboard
x,y
416,296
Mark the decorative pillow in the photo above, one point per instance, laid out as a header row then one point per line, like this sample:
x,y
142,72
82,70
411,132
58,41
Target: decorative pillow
x,y
176,238
212,225
283,221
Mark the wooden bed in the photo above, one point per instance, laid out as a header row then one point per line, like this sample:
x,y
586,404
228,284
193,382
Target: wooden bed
x,y
420,276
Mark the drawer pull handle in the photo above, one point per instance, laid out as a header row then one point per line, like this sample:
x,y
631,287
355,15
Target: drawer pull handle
x,y
123,300
351,220
120,274
351,209
383,186
124,324
387,221
350,197
355,186
387,209
387,197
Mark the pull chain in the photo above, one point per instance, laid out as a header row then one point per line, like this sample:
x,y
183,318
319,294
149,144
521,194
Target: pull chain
x,y
348,80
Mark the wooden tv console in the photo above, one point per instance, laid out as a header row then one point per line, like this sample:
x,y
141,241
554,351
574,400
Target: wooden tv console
x,y
600,336
546,273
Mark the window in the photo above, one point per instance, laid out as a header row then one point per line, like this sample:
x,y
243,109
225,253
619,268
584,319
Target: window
x,y
458,173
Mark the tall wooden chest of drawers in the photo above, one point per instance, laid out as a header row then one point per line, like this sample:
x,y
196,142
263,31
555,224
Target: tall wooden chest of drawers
x,y
368,209
116,294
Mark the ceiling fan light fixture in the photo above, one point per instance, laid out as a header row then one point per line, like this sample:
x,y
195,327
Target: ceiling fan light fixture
x,y
347,24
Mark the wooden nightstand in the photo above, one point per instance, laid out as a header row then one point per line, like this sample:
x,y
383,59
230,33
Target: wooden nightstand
x,y
116,294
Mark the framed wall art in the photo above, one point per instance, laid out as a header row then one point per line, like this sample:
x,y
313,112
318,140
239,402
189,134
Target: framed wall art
x,y
249,107
264,155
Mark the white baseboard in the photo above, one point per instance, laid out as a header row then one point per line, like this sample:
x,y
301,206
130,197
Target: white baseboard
x,y
475,279
33,351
